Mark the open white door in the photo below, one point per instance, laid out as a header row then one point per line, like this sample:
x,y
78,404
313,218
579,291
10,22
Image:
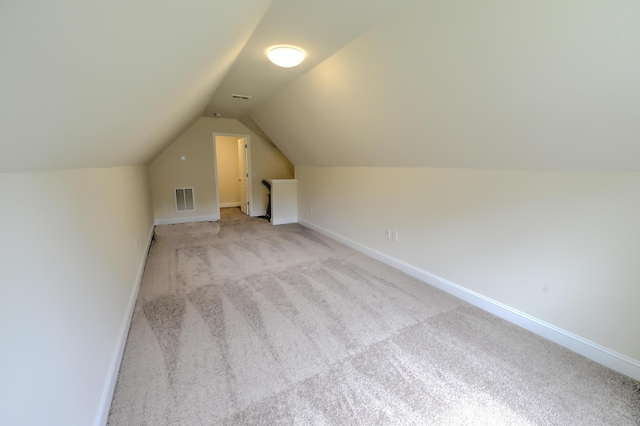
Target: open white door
x,y
243,169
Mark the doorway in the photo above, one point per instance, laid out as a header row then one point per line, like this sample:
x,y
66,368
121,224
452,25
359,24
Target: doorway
x,y
232,164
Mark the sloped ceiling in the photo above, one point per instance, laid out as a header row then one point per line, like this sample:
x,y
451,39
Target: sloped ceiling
x,y
91,84
319,27
494,84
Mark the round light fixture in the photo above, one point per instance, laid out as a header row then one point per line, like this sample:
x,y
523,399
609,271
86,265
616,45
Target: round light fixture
x,y
286,56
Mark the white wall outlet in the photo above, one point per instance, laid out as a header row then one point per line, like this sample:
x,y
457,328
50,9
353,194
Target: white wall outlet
x,y
136,242
164,205
396,235
310,208
387,234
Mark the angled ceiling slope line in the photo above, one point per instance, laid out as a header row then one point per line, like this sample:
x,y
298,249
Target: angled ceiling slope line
x,y
248,121
319,28
434,87
100,84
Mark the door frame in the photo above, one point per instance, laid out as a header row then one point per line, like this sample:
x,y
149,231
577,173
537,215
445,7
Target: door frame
x,y
215,168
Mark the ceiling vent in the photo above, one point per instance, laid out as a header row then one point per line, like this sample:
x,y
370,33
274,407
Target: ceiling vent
x,y
244,97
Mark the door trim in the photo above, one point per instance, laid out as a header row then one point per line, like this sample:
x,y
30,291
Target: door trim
x,y
249,171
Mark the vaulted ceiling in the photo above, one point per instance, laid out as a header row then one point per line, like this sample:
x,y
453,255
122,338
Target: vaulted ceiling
x,y
549,85
495,84
91,84
319,27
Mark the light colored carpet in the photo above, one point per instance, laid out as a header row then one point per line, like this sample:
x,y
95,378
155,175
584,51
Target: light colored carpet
x,y
257,324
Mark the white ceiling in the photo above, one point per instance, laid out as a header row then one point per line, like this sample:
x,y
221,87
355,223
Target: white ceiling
x,y
494,84
110,83
544,85
320,28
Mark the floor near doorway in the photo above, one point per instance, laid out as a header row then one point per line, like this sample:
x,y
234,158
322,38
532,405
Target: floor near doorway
x,y
232,214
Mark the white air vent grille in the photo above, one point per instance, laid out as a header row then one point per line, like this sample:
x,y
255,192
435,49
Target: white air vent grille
x,y
184,199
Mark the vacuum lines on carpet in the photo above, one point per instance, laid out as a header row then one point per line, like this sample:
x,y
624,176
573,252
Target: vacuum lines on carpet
x,y
246,323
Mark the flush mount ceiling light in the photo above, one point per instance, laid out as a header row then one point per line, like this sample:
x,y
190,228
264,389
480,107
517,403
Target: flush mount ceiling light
x,y
286,56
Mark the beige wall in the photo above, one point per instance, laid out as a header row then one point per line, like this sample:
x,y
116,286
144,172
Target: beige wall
x,y
228,170
196,144
72,250
559,246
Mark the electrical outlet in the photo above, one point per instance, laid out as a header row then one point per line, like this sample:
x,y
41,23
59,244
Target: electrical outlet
x,y
396,235
136,241
310,208
164,205
387,234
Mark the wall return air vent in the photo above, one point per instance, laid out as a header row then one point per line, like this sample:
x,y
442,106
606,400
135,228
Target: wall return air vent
x,y
243,97
184,199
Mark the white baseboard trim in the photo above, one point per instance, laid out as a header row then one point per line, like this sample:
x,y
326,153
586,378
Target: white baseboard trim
x,y
283,221
224,205
114,368
594,351
175,220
